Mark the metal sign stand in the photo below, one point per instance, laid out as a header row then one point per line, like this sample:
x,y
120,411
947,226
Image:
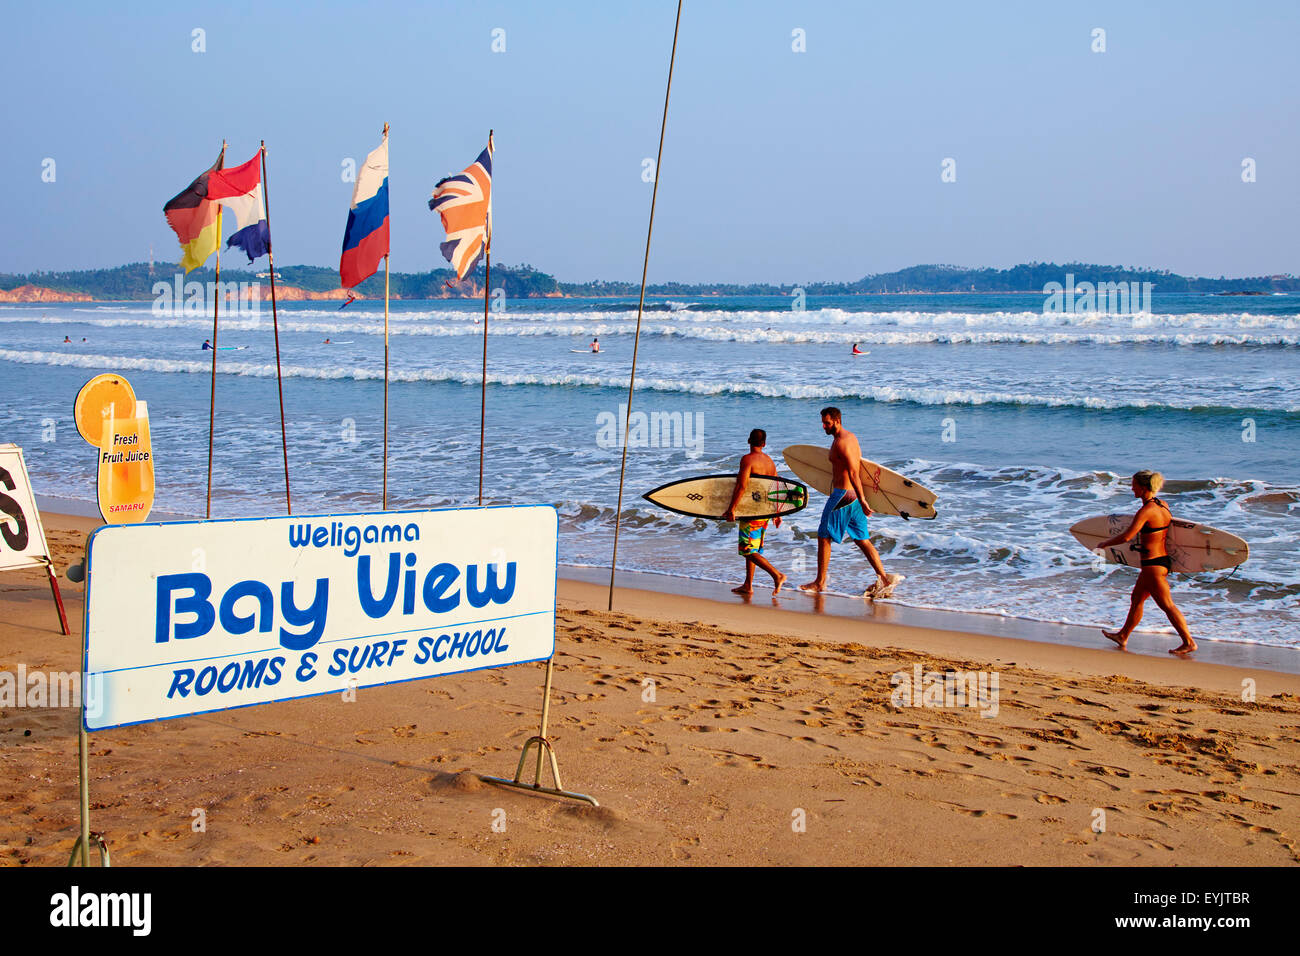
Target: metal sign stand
x,y
58,598
82,847
544,749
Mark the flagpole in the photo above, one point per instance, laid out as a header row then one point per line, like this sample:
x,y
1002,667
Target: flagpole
x,y
385,494
385,506
216,308
487,285
275,324
645,266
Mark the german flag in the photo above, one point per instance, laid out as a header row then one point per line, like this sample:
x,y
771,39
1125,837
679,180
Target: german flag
x,y
194,218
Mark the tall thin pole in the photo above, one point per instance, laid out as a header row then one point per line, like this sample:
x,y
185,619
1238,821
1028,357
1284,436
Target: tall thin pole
x,y
482,413
487,286
216,308
83,760
385,494
645,267
275,325
385,506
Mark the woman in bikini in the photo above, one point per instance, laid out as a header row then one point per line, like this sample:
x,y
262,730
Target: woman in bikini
x,y
1151,527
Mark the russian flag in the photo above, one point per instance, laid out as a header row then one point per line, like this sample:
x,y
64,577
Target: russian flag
x,y
239,188
365,241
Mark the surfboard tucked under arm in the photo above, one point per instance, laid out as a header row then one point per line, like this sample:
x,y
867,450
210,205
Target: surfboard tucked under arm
x,y
1193,547
707,496
888,492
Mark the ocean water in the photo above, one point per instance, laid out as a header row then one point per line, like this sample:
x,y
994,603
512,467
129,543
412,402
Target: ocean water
x,y
1022,422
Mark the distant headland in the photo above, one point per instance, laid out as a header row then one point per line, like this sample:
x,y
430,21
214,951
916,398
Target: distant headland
x,y
139,280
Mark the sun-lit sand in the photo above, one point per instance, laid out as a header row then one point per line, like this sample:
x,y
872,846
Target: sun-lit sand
x,y
710,733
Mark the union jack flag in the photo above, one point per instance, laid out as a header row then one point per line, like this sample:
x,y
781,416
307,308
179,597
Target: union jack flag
x,y
465,203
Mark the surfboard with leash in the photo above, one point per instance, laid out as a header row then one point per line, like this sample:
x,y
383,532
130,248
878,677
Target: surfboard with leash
x,y
707,496
888,492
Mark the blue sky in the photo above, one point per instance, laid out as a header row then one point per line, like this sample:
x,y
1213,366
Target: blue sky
x,y
778,166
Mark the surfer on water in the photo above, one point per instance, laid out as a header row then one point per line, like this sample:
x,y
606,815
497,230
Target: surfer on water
x,y
1151,527
856,350
846,511
207,345
751,533
595,344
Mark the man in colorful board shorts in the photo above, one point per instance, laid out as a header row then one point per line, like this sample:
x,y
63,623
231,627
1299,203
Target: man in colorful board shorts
x,y
751,532
847,510
751,536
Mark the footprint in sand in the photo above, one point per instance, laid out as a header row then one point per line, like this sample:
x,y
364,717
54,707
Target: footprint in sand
x,y
1099,768
675,775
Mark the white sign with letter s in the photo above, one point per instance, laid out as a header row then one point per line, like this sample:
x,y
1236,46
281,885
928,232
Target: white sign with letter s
x,y
22,539
280,608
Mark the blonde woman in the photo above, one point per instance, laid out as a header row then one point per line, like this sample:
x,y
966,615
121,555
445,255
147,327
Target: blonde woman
x,y
1151,527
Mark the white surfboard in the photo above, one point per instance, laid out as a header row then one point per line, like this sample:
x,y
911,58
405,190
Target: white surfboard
x,y
888,492
708,496
1193,547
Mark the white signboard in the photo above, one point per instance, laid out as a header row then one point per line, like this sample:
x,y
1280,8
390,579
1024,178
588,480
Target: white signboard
x,y
195,616
22,539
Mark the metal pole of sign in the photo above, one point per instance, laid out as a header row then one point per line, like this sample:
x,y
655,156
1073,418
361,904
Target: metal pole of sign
x,y
58,598
544,749
82,847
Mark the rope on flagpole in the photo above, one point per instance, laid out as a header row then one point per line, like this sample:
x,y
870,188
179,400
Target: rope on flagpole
x,y
216,307
275,325
645,266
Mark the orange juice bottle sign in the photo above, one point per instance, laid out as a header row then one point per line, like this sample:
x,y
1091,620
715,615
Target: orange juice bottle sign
x,y
126,467
109,417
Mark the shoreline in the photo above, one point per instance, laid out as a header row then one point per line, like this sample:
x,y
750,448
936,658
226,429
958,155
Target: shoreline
x,y
1238,654
1143,644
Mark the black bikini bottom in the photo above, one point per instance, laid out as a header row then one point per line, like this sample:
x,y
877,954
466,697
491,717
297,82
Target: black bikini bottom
x,y
1165,562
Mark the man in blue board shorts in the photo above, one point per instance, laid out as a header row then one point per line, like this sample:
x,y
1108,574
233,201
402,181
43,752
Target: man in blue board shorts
x,y
846,511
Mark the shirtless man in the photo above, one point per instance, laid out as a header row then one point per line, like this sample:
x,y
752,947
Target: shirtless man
x,y
751,532
846,511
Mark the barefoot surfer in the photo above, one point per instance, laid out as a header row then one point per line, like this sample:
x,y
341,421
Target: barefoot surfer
x,y
846,511
1151,527
751,532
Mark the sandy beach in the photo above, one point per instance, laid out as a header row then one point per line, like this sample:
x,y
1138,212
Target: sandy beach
x,y
711,733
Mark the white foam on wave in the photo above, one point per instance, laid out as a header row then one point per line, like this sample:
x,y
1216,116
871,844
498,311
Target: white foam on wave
x,y
825,326
692,386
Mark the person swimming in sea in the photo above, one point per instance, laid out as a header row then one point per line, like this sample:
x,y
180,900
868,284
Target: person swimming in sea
x,y
207,345
66,339
1151,527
